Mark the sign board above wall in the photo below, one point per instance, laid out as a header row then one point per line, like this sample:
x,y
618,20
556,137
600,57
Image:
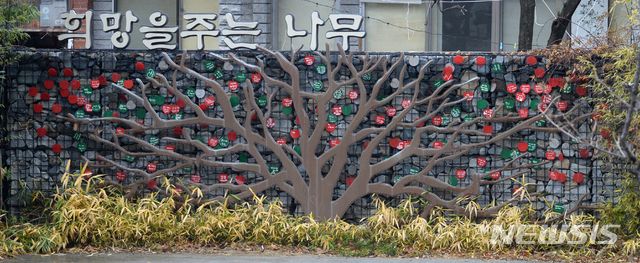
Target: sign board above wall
x,y
201,25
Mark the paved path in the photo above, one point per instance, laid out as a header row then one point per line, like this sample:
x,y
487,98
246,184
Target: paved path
x,y
197,258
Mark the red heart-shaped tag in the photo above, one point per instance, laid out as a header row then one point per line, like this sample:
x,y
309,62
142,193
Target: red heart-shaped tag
x,y
48,84
240,179
128,84
102,80
75,84
223,178
166,109
120,176
33,91
53,72
64,93
42,132
295,134
73,99
56,108
68,72
232,136
115,77
64,84
37,108
180,103
56,148
350,180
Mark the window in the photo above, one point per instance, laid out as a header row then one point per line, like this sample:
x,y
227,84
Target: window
x,y
395,26
467,29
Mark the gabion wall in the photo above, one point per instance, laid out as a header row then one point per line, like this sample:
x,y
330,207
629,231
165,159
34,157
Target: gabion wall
x,y
46,84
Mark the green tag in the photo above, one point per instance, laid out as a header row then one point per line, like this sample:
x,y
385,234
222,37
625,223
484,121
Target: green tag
x,y
141,113
414,170
534,104
122,107
234,101
532,146
514,154
558,208
262,101
455,112
482,104
107,114
191,92
218,74
297,149
241,77
129,158
120,82
186,169
397,179
198,138
321,69
346,110
332,118
484,87
541,123
445,121
159,100
508,104
535,161
287,110
153,101
438,83
177,116
80,114
468,118
151,73
77,136
96,107
381,97
366,76
242,157
566,89
224,142
573,140
209,65
317,85
338,94
453,181
87,90
486,170
505,153
82,147
274,169
497,67
153,140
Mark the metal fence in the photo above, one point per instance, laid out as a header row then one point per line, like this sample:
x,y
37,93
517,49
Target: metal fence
x,y
50,83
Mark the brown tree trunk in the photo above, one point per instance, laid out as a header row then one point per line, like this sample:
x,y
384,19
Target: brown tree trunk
x,y
561,23
525,38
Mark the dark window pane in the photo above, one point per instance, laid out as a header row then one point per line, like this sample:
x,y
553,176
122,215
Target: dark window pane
x,y
470,31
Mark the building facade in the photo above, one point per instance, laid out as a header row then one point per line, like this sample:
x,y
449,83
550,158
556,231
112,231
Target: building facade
x,y
391,25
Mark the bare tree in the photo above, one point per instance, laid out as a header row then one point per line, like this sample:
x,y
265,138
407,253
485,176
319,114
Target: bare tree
x,y
315,191
527,19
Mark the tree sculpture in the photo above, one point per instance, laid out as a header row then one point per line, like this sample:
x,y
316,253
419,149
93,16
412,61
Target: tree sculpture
x,y
306,169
